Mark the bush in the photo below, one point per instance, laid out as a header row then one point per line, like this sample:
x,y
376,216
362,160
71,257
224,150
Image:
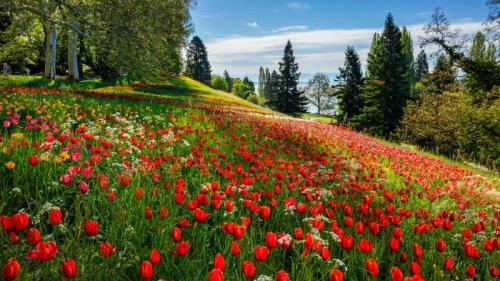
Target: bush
x,y
219,83
253,98
450,124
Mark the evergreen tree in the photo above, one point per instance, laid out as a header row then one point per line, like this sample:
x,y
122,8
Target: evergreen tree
x,y
478,48
444,75
267,85
422,67
289,100
273,88
197,65
262,82
250,86
409,63
349,90
229,81
389,86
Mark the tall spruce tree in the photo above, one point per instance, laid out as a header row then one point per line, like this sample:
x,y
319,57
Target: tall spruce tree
x,y
290,99
422,67
197,65
229,81
388,87
349,90
261,82
273,88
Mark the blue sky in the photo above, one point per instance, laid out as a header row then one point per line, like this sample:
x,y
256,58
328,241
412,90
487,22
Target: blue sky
x,y
241,35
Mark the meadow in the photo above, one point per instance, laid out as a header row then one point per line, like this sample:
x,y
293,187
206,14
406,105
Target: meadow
x,y
175,181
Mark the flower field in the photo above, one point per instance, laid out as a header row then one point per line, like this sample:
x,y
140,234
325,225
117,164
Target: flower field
x,y
132,183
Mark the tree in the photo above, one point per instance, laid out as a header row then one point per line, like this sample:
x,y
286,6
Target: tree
x,y
409,63
267,85
197,65
318,92
486,73
219,83
250,86
388,87
493,21
351,81
273,90
444,75
289,99
261,82
422,67
243,88
229,81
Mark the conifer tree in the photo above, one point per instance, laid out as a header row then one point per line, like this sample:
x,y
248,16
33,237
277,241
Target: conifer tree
x,y
290,99
422,67
261,82
267,85
197,65
349,90
229,81
273,88
388,87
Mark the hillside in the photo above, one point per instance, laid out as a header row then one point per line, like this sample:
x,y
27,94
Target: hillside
x,y
175,181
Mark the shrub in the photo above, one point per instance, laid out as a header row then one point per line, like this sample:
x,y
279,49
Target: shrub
x,y
219,83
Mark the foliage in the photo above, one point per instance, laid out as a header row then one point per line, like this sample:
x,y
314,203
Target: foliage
x,y
219,83
229,81
318,92
197,65
348,91
289,99
450,124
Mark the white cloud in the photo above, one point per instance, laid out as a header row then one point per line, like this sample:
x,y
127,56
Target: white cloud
x,y
253,24
298,6
316,50
290,28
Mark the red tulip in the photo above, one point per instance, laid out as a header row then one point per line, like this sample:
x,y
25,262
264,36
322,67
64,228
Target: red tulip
x,y
346,242
146,270
417,252
448,264
281,276
148,214
69,268
20,221
360,227
271,240
336,275
13,237
494,271
394,244
11,270
215,275
325,253
265,212
260,253
470,270
6,223
44,251
176,234
33,236
33,160
248,269
182,248
414,268
396,274
371,267
55,216
440,245
235,248
106,249
219,261
154,256
365,246
200,215
91,228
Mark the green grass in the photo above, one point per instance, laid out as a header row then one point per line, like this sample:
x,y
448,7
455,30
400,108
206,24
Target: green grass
x,y
319,118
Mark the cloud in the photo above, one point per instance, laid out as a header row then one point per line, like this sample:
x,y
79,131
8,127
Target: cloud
x,y
319,50
252,24
298,6
290,28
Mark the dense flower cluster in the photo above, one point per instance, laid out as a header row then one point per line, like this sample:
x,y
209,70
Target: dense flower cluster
x,y
142,188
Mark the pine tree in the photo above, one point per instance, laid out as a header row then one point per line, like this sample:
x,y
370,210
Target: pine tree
x,y
229,81
422,67
197,65
290,100
349,90
273,88
261,82
388,87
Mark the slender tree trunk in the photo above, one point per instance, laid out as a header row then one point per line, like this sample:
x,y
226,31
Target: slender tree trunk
x,y
50,53
73,72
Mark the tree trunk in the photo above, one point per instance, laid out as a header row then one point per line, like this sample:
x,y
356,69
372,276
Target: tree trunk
x,y
50,53
73,72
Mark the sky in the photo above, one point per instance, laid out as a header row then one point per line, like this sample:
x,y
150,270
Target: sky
x,y
242,35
